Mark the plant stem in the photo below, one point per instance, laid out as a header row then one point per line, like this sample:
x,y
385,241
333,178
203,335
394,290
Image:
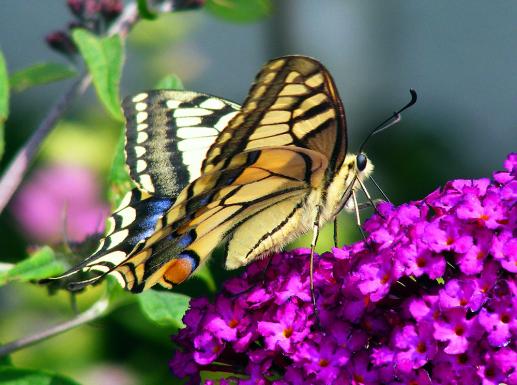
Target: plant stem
x,y
98,309
14,173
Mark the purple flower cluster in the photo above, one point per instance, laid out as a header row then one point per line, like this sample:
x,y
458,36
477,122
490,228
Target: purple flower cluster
x,y
430,297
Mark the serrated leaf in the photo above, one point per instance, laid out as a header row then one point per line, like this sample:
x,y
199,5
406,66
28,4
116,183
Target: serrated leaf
x,y
104,58
119,181
42,264
4,100
170,82
164,307
38,74
17,376
238,10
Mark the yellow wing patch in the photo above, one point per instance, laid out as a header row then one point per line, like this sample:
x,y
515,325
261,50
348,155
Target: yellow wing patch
x,y
293,103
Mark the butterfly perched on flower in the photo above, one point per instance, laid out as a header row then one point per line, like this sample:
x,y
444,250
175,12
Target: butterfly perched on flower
x,y
208,170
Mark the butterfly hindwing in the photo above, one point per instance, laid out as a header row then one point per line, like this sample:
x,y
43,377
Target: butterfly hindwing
x,y
255,191
293,102
167,135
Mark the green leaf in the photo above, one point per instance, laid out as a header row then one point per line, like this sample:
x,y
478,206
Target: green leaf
x,y
204,273
241,11
17,376
4,100
144,11
38,74
170,82
119,181
5,361
41,264
104,58
164,307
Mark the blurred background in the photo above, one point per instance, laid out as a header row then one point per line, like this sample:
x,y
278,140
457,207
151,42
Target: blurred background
x,y
459,55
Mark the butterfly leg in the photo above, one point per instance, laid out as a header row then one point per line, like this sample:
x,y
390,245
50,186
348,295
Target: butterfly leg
x,y
380,190
335,232
315,235
357,216
368,196
366,205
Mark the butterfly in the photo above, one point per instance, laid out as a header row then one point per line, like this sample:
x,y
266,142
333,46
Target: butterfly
x,y
208,170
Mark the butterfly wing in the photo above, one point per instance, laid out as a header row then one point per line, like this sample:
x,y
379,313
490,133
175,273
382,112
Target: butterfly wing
x,y
293,102
167,135
134,221
257,195
265,190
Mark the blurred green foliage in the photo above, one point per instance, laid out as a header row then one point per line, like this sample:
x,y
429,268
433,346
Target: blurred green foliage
x,y
239,11
41,264
15,376
40,74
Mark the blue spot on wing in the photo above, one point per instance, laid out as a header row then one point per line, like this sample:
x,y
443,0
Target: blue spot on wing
x,y
186,239
148,212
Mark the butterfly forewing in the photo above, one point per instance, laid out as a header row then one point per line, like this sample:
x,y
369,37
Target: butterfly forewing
x,y
167,135
293,102
254,191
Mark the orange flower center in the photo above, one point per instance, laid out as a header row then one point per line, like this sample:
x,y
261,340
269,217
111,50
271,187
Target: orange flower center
x,y
323,363
421,348
288,332
421,262
233,323
459,330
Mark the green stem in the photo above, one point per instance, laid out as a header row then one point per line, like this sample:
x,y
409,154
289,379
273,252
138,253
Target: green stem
x,y
97,310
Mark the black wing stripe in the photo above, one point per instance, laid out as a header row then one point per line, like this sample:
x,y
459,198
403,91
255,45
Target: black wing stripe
x,y
276,228
167,135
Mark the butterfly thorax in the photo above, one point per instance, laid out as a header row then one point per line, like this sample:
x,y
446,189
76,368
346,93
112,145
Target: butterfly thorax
x,y
340,188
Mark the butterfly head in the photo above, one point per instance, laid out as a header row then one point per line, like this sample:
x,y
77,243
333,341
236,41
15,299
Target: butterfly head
x,y
355,167
361,162
354,170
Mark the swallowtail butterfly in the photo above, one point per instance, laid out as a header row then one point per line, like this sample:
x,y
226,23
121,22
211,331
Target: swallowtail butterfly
x,y
208,170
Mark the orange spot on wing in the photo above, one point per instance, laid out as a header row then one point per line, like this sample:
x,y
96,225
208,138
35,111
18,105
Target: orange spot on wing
x,y
178,271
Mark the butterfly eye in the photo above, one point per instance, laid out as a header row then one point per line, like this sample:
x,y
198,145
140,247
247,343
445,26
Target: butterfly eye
x,y
361,161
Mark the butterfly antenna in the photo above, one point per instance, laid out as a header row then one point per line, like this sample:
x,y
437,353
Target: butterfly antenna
x,y
392,120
